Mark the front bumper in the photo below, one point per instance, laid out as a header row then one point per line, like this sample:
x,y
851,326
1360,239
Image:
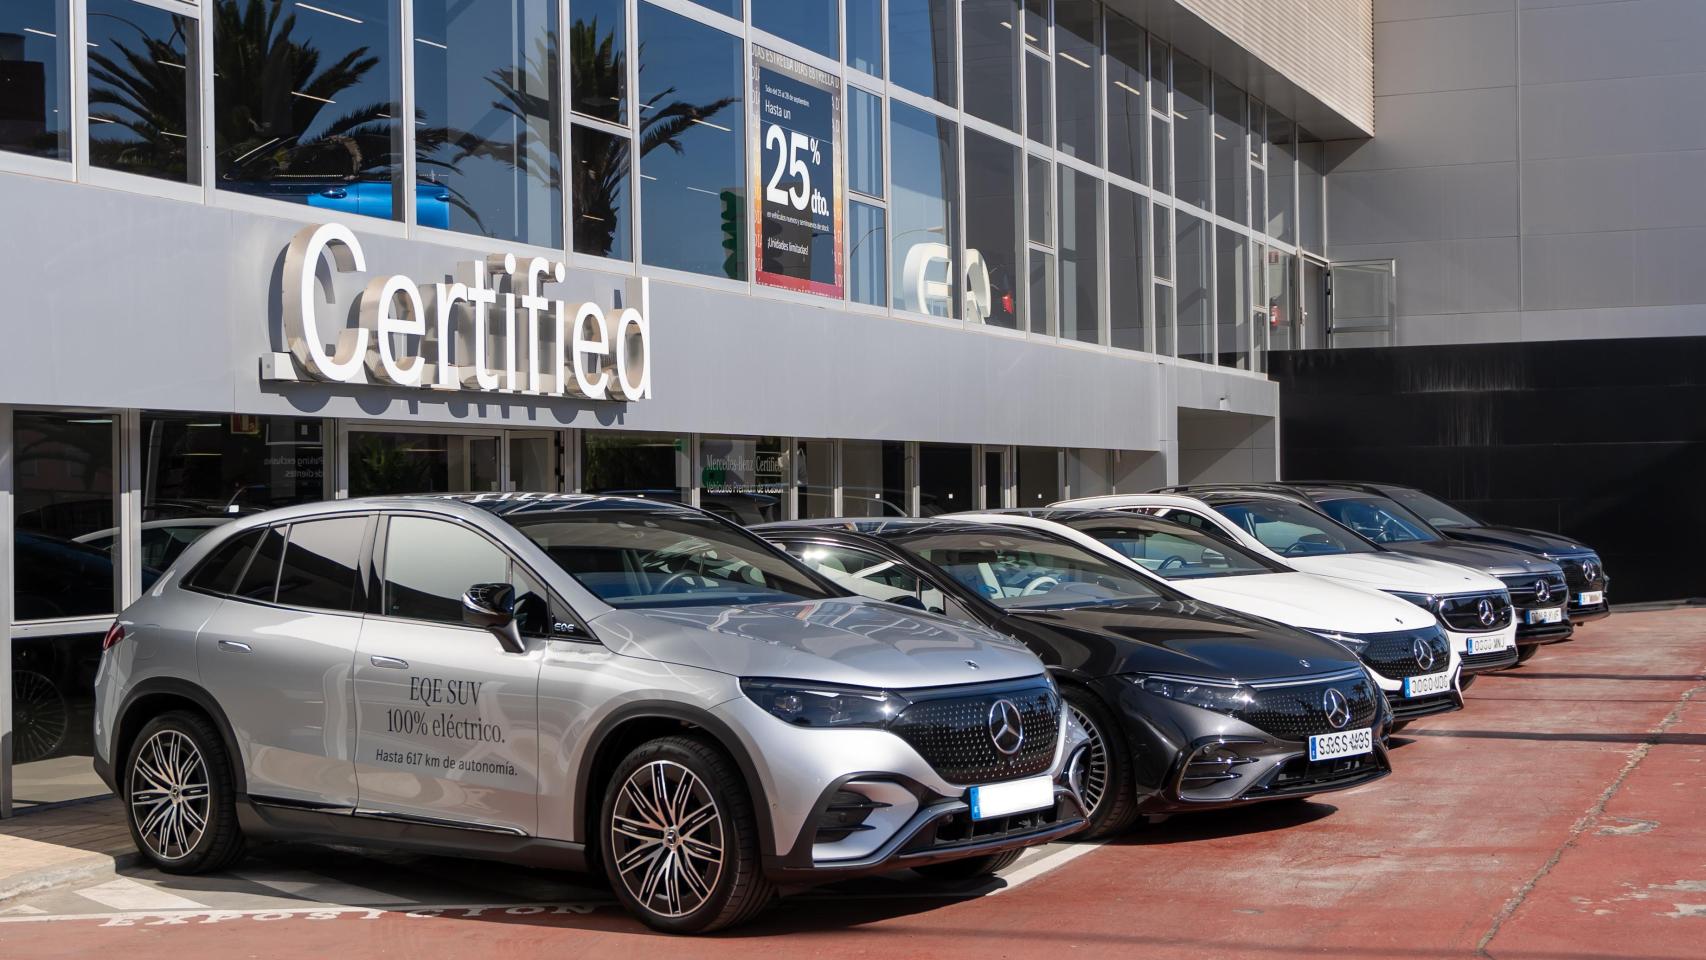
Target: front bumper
x,y
1414,708
1485,662
1580,614
1534,634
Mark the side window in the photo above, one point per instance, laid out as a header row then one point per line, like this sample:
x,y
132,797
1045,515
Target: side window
x,y
1190,520
430,564
868,574
533,613
260,581
320,564
219,572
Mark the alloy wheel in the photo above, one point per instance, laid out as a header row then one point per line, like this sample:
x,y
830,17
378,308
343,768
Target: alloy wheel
x,y
1096,764
668,839
39,717
169,794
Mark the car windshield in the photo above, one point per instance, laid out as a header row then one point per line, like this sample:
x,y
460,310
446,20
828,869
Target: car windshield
x,y
638,559
1024,570
1379,519
1433,509
1175,551
1292,530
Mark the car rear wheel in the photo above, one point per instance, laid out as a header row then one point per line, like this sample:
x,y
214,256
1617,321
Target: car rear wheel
x,y
680,840
970,868
178,794
1107,779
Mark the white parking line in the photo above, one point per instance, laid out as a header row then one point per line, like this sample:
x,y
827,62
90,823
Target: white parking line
x,y
1041,865
126,894
303,885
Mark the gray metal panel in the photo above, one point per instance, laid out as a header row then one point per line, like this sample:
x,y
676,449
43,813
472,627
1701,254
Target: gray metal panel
x,y
1630,192
1424,203
1444,53
1615,269
1428,129
1386,11
1476,275
1608,117
1633,38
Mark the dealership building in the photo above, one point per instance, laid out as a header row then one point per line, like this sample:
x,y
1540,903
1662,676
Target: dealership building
x,y
776,258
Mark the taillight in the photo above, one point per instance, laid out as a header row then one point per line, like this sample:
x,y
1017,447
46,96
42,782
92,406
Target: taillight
x,y
114,636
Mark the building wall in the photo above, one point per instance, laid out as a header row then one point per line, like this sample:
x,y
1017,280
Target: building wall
x,y
1537,168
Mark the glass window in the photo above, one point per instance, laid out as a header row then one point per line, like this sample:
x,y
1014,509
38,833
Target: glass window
x,y
1282,157
867,259
648,559
813,24
64,486
306,100
921,47
864,142
1194,322
1166,339
1161,153
260,578
598,65
865,36
219,572
728,8
1435,511
1039,102
144,116
634,465
873,479
1232,302
602,215
1231,152
1175,551
1080,230
1161,230
947,479
1036,23
430,564
1379,519
994,482
1191,128
1077,76
1042,298
1311,194
320,564
1293,530
694,201
1285,332
925,210
488,155
817,478
1128,114
869,575
1125,268
1039,476
1022,569
1041,193
992,231
35,78
991,64
398,463
744,480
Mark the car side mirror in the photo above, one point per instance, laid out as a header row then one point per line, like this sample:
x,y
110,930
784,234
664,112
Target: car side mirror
x,y
491,607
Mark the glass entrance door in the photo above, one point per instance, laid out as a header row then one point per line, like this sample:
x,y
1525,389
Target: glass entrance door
x,y
535,461
401,461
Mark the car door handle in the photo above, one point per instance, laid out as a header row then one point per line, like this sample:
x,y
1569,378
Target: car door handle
x,y
392,663
235,646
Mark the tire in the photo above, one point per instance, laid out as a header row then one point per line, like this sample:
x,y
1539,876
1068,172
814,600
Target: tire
x,y
1399,725
1467,681
40,717
678,887
179,798
1108,776
970,868
1525,654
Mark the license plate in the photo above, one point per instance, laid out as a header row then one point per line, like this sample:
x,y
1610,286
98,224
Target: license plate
x,y
1345,743
1548,615
1427,684
1592,598
1490,644
1016,796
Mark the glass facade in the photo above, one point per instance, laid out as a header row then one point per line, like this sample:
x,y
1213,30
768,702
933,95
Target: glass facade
x,y
144,109
35,78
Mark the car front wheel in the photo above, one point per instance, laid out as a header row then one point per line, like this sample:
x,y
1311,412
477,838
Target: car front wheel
x,y
179,799
1107,780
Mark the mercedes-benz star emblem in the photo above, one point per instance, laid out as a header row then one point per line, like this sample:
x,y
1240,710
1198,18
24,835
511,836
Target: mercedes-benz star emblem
x,y
1485,611
1424,652
972,664
1338,708
1590,571
1006,727
1542,591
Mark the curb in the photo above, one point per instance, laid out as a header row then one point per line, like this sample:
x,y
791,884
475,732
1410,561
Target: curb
x,y
34,881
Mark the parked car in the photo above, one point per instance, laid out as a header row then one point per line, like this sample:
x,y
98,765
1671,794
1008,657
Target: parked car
x,y
591,682
1590,586
161,540
1189,706
1403,646
1474,609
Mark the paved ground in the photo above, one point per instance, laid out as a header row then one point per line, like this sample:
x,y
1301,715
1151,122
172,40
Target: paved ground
x,y
1559,817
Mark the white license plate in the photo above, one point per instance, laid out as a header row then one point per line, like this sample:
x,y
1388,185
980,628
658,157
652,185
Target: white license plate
x,y
1491,644
1592,598
1016,796
1548,615
1427,684
1345,743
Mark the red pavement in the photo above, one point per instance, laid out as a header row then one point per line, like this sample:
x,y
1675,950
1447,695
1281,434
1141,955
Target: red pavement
x,y
1558,817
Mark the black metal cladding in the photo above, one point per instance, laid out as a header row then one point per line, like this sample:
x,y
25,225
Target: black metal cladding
x,y
1393,655
1296,712
1525,590
1463,612
952,733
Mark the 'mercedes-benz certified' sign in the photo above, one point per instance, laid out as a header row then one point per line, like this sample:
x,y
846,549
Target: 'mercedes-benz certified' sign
x,y
491,330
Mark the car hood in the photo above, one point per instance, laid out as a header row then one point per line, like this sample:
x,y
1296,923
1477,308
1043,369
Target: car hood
x,y
1518,538
1307,601
1491,560
850,640
1397,572
1189,639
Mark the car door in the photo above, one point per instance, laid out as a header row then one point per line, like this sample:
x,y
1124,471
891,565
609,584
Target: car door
x,y
447,720
276,655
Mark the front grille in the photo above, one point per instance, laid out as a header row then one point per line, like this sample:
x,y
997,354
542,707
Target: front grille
x,y
1463,612
950,730
959,829
1393,655
1301,773
1577,576
1476,662
1525,590
1296,712
1409,708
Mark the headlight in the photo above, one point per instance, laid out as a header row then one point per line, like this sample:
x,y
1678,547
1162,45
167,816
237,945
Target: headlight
x,y
1208,694
807,704
1423,600
1351,642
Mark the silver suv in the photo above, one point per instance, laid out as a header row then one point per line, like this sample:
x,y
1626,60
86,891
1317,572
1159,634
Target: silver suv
x,y
586,682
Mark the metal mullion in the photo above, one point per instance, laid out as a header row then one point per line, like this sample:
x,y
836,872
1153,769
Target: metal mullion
x,y
128,501
7,458
77,48
636,195
566,127
405,191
